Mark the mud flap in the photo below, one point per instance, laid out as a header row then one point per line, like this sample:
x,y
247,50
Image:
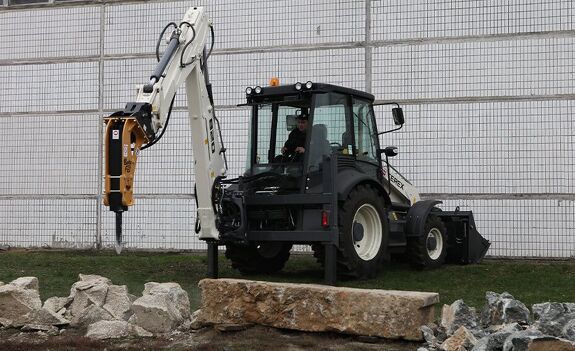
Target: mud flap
x,y
465,244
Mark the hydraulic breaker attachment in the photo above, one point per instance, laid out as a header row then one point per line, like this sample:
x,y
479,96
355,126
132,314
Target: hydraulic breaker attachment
x,y
123,140
465,244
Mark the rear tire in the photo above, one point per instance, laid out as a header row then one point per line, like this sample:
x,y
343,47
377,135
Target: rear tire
x,y
363,235
429,250
268,257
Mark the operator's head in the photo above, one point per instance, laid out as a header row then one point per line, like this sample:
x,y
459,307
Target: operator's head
x,y
302,121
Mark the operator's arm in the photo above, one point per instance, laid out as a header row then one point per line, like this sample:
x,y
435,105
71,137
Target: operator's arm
x,y
290,144
295,142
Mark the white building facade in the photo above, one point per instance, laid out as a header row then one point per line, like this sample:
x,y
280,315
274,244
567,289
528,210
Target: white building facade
x,y
488,90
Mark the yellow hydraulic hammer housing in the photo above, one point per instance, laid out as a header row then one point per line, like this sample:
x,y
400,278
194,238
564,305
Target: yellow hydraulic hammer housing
x,y
123,140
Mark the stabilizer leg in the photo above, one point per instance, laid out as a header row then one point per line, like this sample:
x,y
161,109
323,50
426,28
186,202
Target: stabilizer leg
x,y
330,273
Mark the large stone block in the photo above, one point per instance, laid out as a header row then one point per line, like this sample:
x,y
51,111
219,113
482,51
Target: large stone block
x,y
318,308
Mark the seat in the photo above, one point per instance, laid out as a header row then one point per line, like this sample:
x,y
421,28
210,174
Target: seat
x,y
319,144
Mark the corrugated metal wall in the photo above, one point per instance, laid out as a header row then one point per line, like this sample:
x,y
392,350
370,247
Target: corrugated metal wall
x,y
487,87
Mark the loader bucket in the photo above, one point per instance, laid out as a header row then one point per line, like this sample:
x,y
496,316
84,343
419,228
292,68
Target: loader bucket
x,y
465,244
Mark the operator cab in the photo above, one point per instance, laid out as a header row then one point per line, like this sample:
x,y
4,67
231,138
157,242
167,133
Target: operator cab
x,y
340,122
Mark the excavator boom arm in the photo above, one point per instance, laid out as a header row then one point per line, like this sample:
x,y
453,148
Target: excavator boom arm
x,y
144,121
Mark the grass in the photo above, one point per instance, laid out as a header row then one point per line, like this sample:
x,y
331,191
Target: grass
x,y
529,281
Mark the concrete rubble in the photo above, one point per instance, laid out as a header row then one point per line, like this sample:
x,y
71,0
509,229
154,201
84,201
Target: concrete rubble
x,y
502,309
115,330
107,311
18,299
552,318
104,310
505,324
457,315
461,340
161,308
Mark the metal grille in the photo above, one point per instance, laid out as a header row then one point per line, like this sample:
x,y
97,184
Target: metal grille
x,y
487,89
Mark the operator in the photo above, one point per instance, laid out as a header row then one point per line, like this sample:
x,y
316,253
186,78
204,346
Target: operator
x,y
296,139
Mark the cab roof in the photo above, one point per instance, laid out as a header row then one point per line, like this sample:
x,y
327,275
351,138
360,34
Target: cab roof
x,y
271,93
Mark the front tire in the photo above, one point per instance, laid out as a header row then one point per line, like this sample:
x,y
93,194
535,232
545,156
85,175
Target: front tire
x,y
265,258
428,251
363,234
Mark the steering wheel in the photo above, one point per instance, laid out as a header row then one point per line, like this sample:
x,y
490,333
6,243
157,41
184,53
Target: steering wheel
x,y
334,143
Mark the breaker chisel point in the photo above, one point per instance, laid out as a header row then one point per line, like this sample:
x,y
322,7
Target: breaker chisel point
x,y
119,232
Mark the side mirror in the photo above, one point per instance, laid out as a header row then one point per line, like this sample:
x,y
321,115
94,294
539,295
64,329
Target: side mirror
x,y
389,151
398,116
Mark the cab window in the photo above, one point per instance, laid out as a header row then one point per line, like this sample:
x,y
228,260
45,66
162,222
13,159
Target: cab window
x,y
328,130
364,131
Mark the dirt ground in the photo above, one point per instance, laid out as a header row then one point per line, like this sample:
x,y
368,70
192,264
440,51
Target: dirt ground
x,y
252,339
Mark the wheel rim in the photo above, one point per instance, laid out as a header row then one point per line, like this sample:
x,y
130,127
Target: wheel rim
x,y
368,217
434,243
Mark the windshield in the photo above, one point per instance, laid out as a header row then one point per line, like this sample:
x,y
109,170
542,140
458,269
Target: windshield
x,y
273,124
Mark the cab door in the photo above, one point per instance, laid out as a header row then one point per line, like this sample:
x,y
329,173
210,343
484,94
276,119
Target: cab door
x,y
365,137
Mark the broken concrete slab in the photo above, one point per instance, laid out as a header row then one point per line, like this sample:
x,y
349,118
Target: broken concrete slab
x,y
503,308
461,340
551,344
16,302
56,304
6,323
175,294
155,313
568,331
520,341
162,308
456,315
552,317
48,329
495,340
44,316
26,283
87,281
118,302
85,293
90,315
317,308
115,330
